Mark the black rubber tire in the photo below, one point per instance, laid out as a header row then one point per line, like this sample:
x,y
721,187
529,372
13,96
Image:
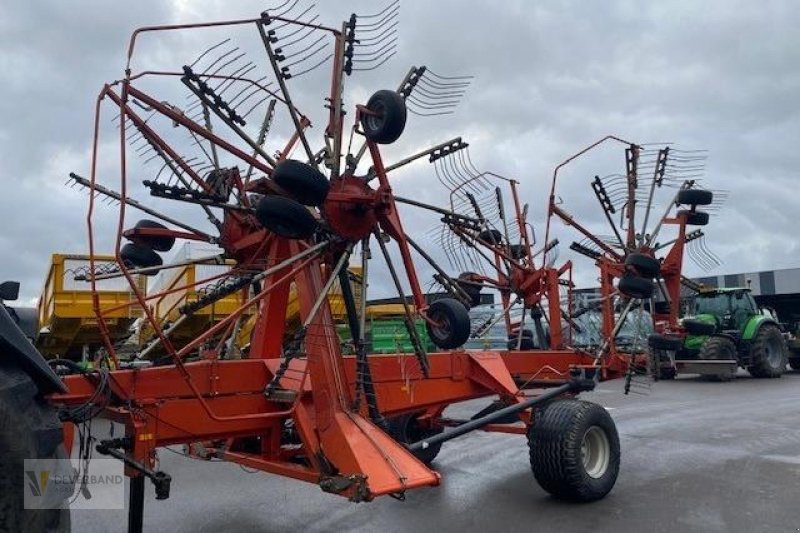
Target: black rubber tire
x,y
635,287
719,348
492,236
139,256
669,343
555,441
526,343
285,217
390,121
305,183
517,251
408,430
29,429
768,338
665,373
159,244
647,267
468,286
455,323
694,218
698,327
695,197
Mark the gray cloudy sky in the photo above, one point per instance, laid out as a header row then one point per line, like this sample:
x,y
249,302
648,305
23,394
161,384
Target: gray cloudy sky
x,y
550,77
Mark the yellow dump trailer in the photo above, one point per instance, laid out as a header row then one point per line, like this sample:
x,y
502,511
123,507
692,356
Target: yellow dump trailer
x,y
67,321
188,286
335,300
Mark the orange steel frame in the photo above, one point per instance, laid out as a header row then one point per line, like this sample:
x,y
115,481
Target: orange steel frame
x,y
223,402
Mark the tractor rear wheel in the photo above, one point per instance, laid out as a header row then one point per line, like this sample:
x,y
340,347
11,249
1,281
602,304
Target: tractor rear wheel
x,y
29,429
768,353
719,349
408,430
574,450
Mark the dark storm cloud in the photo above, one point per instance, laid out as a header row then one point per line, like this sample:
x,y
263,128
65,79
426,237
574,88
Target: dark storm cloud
x,y
550,77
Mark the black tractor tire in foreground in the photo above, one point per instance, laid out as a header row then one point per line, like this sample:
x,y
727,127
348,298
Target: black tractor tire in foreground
x,y
305,183
387,118
29,429
139,256
695,197
647,267
695,218
719,348
285,217
408,430
574,450
635,287
768,353
454,325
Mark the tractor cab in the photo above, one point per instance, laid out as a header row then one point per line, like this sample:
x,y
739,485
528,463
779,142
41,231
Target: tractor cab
x,y
729,308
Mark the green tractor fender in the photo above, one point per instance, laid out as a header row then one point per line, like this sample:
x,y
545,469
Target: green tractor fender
x,y
752,326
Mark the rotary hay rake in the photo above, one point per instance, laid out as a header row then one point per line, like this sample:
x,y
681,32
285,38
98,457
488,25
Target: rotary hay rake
x,y
640,269
359,426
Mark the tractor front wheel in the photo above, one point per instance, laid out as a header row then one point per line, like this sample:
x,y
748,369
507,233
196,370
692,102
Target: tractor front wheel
x,y
768,353
29,430
574,450
719,349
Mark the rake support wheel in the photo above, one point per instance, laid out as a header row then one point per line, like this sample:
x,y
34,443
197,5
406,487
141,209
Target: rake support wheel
x,y
286,217
159,244
386,119
139,256
635,287
305,183
453,324
647,267
574,450
408,430
694,218
695,197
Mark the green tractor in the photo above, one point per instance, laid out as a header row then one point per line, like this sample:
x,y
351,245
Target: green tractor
x,y
729,330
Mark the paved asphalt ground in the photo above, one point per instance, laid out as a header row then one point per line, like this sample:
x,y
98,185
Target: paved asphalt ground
x,y
696,456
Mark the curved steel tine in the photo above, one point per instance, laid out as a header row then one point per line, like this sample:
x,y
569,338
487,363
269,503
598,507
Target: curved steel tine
x,y
391,33
380,59
302,50
315,66
254,106
302,14
373,26
306,57
307,29
381,12
281,7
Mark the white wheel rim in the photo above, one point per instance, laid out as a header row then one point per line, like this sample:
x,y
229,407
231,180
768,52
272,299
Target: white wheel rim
x,y
595,452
